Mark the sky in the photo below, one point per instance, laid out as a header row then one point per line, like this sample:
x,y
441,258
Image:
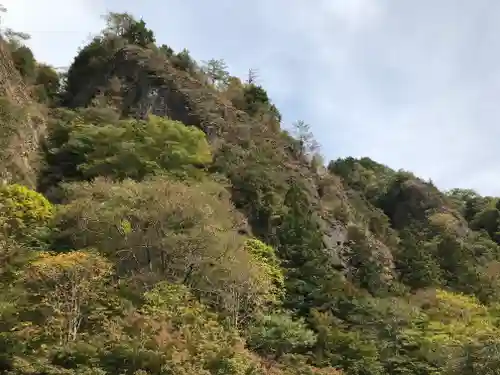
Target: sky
x,y
410,84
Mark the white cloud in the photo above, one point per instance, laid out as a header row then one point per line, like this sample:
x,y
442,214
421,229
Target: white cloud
x,y
411,84
57,27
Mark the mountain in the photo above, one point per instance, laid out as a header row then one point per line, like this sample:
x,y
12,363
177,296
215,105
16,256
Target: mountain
x,y
157,219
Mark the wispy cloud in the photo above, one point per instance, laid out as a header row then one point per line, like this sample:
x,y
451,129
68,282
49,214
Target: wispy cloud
x,y
411,84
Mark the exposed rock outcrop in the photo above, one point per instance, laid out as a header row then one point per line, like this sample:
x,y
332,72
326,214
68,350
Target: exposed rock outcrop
x,y
22,124
141,81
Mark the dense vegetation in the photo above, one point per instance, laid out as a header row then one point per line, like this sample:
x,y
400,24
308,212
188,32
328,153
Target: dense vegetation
x,y
173,227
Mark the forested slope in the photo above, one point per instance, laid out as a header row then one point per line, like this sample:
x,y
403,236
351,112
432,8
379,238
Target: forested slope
x,y
157,218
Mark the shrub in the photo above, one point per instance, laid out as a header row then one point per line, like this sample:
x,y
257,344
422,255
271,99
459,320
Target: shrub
x,y
23,212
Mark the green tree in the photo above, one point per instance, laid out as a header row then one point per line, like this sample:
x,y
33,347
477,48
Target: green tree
x,y
25,63
266,257
136,149
416,262
477,358
48,84
217,72
183,61
370,262
124,25
139,34
85,144
309,269
280,334
66,284
24,213
87,67
453,321
254,100
166,229
349,350
255,96
488,219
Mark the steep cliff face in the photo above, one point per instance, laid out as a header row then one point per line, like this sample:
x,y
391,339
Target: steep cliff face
x,y
355,268
142,81
22,124
361,209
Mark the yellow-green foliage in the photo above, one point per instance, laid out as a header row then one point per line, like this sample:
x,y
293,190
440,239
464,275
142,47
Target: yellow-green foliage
x,y
184,232
80,265
23,210
185,329
137,148
265,257
444,221
171,332
85,145
64,284
450,321
195,333
173,284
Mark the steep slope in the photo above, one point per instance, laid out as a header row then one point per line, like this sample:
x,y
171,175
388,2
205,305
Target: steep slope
x,y
261,163
22,124
433,234
361,224
187,233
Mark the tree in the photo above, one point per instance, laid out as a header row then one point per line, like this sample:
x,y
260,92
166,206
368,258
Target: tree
x,y
162,229
236,254
370,264
217,72
302,131
48,84
452,322
280,334
488,219
346,349
139,149
117,23
90,62
24,213
462,198
66,284
25,63
255,98
166,50
15,39
477,359
256,102
299,242
416,262
137,33
82,147
267,258
252,77
263,281
184,61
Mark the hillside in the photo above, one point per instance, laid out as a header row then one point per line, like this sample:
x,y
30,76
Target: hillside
x,y
158,219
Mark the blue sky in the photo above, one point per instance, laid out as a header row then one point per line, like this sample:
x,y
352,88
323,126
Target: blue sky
x,y
412,84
